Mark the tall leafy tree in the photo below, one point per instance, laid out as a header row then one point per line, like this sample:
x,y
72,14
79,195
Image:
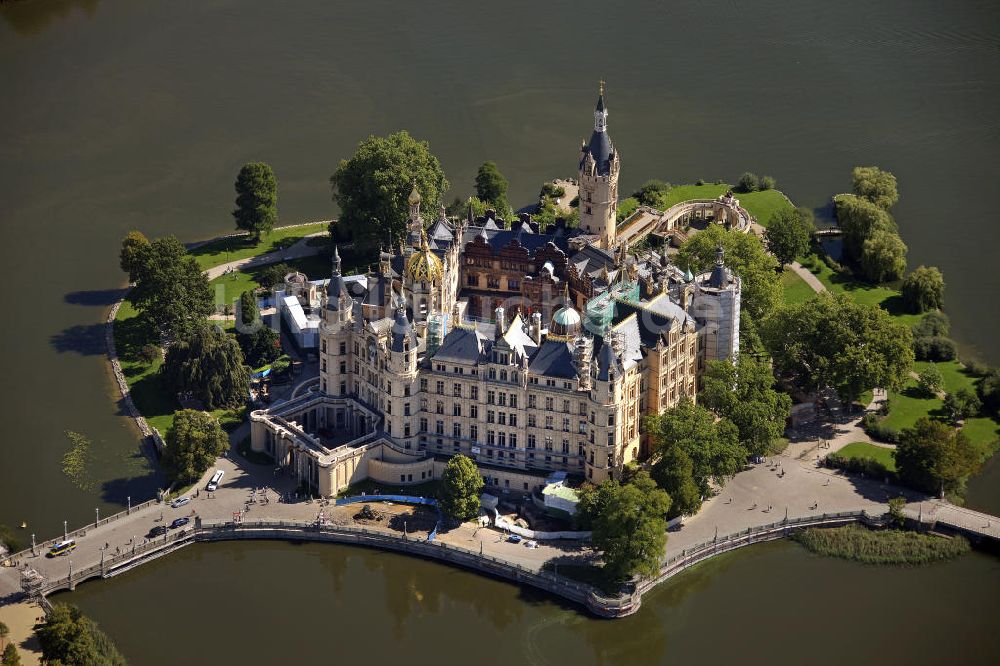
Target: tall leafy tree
x,y
249,310
883,257
10,656
135,248
461,484
876,185
712,444
372,187
69,638
170,292
491,185
935,458
923,290
209,365
744,393
833,342
256,199
860,219
746,256
630,526
193,443
789,233
674,472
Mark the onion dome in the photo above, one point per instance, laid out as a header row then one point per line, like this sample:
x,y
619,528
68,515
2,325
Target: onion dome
x,y
566,321
414,195
423,265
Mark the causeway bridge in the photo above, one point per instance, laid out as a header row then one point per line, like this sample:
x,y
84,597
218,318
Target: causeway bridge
x,y
939,516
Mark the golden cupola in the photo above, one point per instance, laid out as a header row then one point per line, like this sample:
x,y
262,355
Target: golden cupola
x,y
423,265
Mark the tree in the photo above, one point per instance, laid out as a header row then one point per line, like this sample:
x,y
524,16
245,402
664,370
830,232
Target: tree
x,y
989,391
256,199
896,506
932,324
962,404
923,290
748,182
461,484
744,393
833,342
653,193
68,638
249,311
4,632
193,443
171,293
630,526
930,380
876,185
789,234
767,183
745,255
883,257
373,186
934,457
10,656
859,219
491,185
209,365
260,347
132,256
674,472
712,445
273,275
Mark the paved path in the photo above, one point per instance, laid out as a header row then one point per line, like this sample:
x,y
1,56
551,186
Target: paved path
x,y
807,276
298,250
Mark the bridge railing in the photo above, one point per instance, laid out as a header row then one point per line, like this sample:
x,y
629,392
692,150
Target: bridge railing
x,y
81,531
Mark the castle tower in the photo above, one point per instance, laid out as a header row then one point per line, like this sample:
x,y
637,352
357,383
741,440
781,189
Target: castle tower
x,y
599,167
335,333
415,223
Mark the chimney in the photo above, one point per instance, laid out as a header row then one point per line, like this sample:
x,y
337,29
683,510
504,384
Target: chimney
x,y
536,327
501,320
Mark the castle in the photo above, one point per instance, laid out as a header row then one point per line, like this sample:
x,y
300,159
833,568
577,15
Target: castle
x,y
531,351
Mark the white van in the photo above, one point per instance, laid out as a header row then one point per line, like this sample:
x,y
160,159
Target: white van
x,y
216,478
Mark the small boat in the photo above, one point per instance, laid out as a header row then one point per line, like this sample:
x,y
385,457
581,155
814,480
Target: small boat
x,y
24,525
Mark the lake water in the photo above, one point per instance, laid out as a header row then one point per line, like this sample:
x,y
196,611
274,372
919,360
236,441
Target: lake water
x,y
123,115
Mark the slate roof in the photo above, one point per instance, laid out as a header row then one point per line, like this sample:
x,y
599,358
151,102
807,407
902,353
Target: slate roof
x,y
554,358
600,150
463,345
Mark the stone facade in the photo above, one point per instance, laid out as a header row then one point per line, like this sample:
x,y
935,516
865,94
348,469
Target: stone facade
x,y
529,352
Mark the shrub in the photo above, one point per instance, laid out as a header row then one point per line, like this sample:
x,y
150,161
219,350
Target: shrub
x,y
962,404
767,183
923,289
976,368
930,381
149,353
932,323
274,274
878,431
699,182
989,391
934,348
748,182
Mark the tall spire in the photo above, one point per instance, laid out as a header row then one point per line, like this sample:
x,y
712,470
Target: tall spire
x,y
336,261
601,112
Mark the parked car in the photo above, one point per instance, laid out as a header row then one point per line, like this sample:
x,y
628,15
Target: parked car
x,y
180,501
159,530
216,479
180,522
531,544
513,538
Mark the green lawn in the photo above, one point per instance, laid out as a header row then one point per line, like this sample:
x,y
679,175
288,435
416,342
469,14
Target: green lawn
x,y
224,250
795,288
983,432
952,372
860,292
910,404
866,450
228,288
763,205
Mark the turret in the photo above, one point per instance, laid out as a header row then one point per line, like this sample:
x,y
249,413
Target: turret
x,y
599,166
